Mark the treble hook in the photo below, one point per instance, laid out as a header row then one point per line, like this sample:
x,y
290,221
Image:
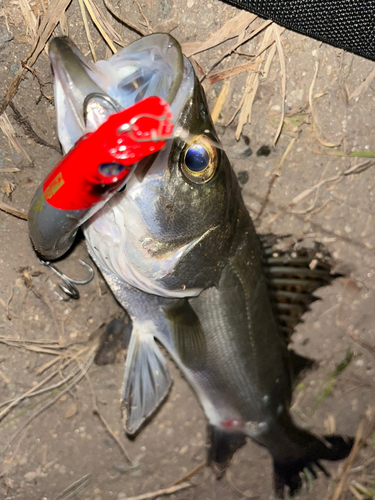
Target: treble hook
x,y
68,283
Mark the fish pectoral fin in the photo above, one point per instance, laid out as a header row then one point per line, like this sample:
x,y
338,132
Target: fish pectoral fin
x,y
147,379
188,334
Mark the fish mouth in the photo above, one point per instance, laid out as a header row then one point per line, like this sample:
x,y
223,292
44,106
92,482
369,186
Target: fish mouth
x,y
87,93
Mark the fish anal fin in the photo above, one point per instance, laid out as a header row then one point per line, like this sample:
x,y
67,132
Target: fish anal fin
x,y
188,334
222,445
147,379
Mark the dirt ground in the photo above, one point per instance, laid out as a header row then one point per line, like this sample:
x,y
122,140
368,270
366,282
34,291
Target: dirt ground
x,y
57,445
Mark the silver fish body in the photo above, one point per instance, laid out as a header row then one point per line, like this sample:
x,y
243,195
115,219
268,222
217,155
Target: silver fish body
x,y
180,253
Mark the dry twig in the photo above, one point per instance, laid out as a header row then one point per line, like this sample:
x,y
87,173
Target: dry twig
x,y
273,179
190,474
106,425
241,68
12,211
307,192
240,42
147,22
162,492
124,21
24,122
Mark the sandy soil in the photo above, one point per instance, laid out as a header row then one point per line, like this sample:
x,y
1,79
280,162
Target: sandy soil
x,y
68,441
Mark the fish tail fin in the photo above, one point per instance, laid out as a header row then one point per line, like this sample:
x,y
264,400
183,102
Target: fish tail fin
x,y
298,450
221,447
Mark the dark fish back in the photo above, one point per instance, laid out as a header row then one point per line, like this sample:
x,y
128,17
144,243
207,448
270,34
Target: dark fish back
x,y
246,356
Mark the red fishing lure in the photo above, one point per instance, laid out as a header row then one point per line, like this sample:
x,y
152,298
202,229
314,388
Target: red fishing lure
x,y
100,162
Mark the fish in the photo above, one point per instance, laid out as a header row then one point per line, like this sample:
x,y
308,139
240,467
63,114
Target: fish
x,y
180,253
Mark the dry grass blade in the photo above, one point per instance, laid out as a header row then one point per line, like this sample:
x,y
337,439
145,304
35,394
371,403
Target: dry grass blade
x,y
12,211
94,14
49,22
358,444
74,488
46,389
162,492
10,170
311,207
314,113
251,89
104,27
29,17
364,86
224,92
10,134
32,348
307,192
283,80
87,29
356,494
15,402
124,21
88,362
241,68
241,41
231,28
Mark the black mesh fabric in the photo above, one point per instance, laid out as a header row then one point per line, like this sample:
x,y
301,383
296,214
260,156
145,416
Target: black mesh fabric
x,y
348,24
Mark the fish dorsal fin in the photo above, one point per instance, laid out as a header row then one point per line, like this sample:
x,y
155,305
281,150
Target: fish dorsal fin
x,y
293,276
188,334
146,380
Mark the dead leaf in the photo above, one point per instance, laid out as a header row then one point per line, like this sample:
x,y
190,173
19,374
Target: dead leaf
x,y
71,410
8,188
9,132
230,29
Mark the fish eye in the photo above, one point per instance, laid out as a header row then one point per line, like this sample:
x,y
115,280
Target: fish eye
x,y
199,160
